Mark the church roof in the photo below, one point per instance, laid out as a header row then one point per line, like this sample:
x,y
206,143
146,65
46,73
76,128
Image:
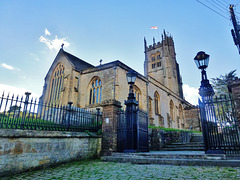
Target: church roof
x,y
78,64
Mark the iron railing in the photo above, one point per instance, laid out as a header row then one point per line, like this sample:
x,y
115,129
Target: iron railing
x,y
23,113
220,126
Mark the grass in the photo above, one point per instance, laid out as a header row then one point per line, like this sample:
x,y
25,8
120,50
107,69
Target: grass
x,y
38,124
172,129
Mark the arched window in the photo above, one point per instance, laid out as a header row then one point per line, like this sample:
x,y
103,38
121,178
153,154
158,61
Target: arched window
x,y
137,93
95,95
181,115
156,102
56,84
171,109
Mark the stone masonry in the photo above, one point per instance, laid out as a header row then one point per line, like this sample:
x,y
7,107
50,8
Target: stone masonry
x,y
23,150
109,126
192,118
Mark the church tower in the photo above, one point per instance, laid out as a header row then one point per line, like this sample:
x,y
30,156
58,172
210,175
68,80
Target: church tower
x,y
160,63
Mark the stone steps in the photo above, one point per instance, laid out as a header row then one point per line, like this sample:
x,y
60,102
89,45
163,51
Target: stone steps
x,y
179,159
183,149
196,144
197,137
186,145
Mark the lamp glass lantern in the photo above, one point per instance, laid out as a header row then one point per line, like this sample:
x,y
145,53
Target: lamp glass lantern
x,y
131,77
201,60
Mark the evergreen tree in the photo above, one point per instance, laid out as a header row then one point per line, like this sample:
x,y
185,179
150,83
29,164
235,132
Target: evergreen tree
x,y
220,83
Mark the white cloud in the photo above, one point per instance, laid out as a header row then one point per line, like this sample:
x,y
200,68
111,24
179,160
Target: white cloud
x,y
191,94
47,33
9,67
54,43
6,66
16,91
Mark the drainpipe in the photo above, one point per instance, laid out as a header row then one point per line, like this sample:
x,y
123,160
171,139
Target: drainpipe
x,y
147,104
114,81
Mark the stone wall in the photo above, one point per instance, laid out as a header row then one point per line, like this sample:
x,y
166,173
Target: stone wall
x,y
158,138
192,118
23,150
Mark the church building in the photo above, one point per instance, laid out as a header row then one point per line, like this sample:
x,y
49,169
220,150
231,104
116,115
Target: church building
x,y
158,92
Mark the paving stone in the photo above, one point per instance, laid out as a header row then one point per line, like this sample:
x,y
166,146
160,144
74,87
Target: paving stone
x,y
112,171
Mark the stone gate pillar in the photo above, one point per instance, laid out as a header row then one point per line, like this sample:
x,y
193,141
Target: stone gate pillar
x,y
109,126
234,89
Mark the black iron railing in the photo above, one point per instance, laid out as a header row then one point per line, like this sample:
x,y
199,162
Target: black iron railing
x,y
20,113
220,125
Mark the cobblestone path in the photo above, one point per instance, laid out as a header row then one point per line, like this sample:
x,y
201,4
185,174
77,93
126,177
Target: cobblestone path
x,y
109,170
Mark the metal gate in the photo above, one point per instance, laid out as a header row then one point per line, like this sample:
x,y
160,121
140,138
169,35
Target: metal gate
x,y
142,131
125,128
221,128
121,131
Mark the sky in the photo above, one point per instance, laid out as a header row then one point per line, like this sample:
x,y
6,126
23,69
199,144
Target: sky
x,y
32,33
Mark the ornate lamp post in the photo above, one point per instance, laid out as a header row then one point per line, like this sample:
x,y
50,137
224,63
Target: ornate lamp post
x,y
209,125
205,90
131,114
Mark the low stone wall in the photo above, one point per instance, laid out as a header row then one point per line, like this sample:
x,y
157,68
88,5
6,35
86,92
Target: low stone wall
x,y
23,150
158,138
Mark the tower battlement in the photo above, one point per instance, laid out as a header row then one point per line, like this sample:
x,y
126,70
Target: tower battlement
x,y
167,40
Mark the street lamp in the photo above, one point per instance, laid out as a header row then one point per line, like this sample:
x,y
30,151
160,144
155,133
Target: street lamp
x,y
205,90
131,115
131,78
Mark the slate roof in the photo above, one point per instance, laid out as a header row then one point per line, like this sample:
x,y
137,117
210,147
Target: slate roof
x,y
78,64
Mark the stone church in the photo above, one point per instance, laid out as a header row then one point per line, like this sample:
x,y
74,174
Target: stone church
x,y
158,92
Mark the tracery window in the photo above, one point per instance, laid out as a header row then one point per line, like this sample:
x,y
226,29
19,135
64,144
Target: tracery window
x,y
156,102
56,83
95,95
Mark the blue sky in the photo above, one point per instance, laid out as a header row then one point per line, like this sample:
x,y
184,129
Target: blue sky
x,y
32,32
